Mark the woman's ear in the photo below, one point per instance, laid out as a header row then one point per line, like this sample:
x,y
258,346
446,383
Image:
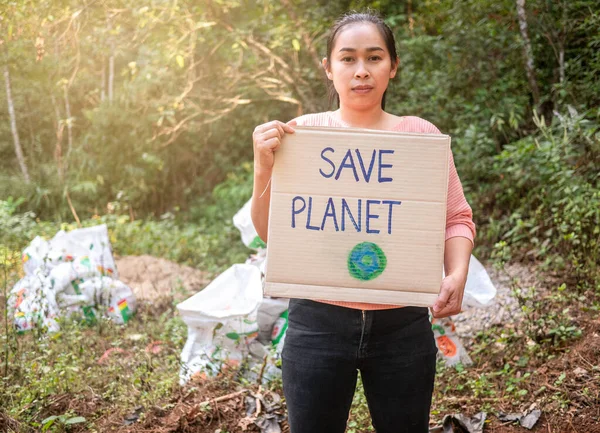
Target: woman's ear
x,y
325,64
395,68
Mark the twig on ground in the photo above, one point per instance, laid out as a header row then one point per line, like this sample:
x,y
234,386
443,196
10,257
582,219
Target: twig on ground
x,y
262,370
224,397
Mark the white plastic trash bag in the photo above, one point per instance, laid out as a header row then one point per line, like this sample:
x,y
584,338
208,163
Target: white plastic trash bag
x,y
92,242
33,256
269,313
479,289
243,221
222,322
32,304
450,347
72,274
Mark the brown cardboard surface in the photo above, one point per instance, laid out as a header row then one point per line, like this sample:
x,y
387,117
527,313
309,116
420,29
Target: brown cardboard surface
x,y
311,259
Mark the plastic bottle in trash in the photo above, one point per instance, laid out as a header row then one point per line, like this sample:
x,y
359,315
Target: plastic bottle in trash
x,y
279,328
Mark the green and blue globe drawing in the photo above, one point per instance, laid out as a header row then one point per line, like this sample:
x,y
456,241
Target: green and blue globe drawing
x,y
366,261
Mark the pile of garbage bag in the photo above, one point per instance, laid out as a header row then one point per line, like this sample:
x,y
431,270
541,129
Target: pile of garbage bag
x,y
73,274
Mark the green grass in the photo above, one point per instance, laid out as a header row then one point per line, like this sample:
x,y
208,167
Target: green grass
x,y
44,369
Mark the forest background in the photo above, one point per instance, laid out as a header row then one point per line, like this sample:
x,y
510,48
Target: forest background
x,y
140,115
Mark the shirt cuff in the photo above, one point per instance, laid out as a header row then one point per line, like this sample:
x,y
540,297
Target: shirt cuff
x,y
459,230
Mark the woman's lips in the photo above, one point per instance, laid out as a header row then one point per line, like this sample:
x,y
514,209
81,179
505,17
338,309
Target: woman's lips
x,y
362,89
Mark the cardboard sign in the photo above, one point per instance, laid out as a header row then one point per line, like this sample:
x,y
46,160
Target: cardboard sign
x,y
358,215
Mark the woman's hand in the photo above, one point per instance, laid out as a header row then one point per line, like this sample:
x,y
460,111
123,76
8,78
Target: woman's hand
x,y
457,253
449,301
267,139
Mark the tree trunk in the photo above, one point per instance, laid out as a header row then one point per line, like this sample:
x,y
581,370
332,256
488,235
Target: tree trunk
x,y
111,65
561,45
111,75
411,21
69,121
13,127
103,85
561,63
528,52
59,133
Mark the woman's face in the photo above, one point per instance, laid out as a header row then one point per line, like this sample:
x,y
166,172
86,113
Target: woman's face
x,y
360,66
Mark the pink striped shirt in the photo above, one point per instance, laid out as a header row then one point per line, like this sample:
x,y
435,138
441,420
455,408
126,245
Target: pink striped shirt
x,y
459,217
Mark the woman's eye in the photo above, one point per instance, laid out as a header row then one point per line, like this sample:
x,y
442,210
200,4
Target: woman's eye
x,y
375,58
347,59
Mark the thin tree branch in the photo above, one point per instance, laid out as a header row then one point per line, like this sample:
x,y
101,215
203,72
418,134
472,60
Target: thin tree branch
x,y
13,127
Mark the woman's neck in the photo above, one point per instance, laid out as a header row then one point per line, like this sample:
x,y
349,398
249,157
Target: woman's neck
x,y
370,118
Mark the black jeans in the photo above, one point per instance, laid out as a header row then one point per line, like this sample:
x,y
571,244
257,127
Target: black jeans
x,y
326,345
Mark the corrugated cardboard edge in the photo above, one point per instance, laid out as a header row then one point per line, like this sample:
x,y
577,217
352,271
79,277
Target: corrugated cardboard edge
x,y
448,151
349,294
366,131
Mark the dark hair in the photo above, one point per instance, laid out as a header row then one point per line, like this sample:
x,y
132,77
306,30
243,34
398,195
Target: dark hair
x,y
357,18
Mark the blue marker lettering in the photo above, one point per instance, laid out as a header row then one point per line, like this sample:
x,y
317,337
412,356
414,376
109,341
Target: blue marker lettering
x,y
370,215
366,174
349,165
308,226
327,149
330,213
296,212
382,166
391,203
346,208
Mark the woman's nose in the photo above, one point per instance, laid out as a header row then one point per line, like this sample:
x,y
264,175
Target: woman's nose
x,y
361,71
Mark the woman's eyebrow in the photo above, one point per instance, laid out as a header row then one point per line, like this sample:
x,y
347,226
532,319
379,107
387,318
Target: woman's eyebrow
x,y
370,49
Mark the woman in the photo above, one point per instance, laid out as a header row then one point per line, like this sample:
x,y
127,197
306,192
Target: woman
x,y
327,342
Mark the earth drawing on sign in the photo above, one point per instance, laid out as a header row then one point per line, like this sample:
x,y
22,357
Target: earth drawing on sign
x,y
366,261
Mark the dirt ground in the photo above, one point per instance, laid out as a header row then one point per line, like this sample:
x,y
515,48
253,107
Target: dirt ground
x,y
190,412
222,405
152,278
194,408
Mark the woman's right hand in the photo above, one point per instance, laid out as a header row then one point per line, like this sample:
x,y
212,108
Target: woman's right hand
x,y
267,139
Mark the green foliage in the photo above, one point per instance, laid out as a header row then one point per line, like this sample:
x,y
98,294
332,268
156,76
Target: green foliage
x,y
360,418
546,194
170,115
14,226
42,369
60,421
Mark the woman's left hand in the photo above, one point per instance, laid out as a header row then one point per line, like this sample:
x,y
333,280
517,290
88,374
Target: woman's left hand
x,y
449,301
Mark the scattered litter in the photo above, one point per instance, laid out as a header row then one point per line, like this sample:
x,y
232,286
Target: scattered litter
x,y
509,417
230,319
527,419
458,423
264,410
449,345
110,353
72,274
243,221
272,320
133,416
155,347
222,322
135,337
269,423
479,289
